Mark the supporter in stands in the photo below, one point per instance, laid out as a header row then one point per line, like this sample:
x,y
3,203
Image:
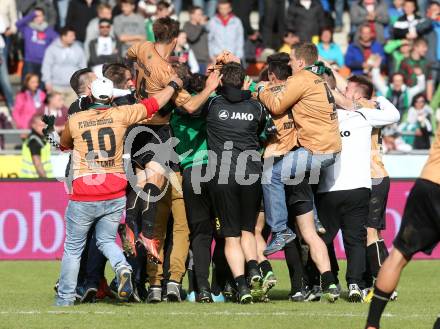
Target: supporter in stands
x,y
185,54
105,48
417,59
429,28
290,38
398,51
373,13
225,32
395,11
129,27
63,57
405,26
417,128
197,36
54,105
306,18
363,52
26,6
92,31
79,14
329,50
37,35
4,78
396,91
35,153
27,101
272,27
208,6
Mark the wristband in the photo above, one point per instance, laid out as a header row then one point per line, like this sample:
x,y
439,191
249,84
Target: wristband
x,y
174,85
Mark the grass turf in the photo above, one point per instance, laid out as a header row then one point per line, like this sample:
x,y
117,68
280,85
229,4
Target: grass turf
x,y
26,299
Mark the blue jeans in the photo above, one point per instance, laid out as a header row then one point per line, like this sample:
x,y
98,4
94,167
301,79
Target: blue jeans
x,y
80,216
290,170
5,83
209,6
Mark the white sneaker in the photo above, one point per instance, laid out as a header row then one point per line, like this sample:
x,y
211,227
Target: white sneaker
x,y
354,293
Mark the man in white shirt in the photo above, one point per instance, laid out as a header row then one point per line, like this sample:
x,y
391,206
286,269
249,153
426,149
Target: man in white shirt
x,y
344,188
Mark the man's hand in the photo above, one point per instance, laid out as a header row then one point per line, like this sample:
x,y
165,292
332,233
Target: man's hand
x,y
418,71
49,120
213,81
247,83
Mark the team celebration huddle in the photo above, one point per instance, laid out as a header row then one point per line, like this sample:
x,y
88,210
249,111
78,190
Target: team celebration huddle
x,y
203,177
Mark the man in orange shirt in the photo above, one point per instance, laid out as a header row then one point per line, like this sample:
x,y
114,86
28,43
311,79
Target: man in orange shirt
x,y
98,190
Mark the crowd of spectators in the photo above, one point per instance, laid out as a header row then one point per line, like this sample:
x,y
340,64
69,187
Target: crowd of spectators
x,y
396,43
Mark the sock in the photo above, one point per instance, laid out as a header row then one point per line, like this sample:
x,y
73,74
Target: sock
x,y
327,279
265,267
437,324
380,300
252,265
240,281
149,210
133,210
377,252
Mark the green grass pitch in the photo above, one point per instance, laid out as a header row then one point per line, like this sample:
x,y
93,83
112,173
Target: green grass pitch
x,y
26,298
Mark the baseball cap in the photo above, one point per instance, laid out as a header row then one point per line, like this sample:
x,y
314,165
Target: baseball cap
x,y
102,89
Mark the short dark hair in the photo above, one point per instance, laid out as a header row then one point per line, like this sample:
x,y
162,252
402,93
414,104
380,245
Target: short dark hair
x,y
419,41
183,72
40,9
77,81
416,97
364,84
165,29
233,75
131,2
330,79
115,72
326,28
306,51
224,2
280,68
66,29
197,83
163,5
278,57
192,9
105,20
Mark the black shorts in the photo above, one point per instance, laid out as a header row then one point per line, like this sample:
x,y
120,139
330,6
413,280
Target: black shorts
x,y
236,206
155,134
420,227
378,203
197,201
299,198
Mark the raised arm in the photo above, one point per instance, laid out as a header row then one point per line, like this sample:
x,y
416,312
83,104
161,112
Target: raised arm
x,y
386,115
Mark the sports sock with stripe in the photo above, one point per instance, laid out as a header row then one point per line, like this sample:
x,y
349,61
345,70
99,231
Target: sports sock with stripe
x,y
378,304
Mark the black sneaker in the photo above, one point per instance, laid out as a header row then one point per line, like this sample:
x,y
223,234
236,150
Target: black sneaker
x,y
204,296
244,295
297,297
88,294
230,292
173,292
313,294
256,284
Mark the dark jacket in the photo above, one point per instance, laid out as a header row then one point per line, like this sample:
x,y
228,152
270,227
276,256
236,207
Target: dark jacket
x,y
354,57
426,30
94,59
305,22
79,15
198,40
402,25
233,116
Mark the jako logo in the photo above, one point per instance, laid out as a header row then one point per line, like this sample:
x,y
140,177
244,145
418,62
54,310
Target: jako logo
x,y
242,116
223,115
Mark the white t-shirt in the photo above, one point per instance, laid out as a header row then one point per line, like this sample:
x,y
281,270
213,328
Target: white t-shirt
x,y
352,169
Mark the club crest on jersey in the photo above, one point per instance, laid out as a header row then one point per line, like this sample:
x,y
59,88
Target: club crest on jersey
x,y
223,115
242,116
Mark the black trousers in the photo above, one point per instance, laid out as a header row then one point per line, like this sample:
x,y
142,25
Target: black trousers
x,y
273,23
347,211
